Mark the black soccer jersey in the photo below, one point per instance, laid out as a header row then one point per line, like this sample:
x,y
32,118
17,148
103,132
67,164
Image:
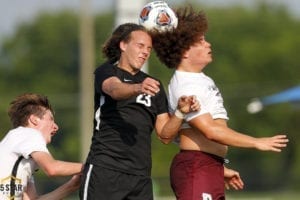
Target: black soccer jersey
x,y
122,129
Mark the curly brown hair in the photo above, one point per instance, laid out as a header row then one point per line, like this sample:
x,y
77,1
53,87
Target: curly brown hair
x,y
25,105
170,46
111,49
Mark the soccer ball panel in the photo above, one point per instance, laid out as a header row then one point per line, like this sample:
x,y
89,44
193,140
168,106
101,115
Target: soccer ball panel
x,y
158,15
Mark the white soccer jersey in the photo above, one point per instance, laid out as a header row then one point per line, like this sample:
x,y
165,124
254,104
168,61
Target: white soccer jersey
x,y
18,142
207,93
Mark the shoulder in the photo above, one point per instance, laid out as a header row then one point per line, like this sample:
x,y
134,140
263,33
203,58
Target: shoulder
x,y
24,140
107,66
24,132
28,135
31,131
145,75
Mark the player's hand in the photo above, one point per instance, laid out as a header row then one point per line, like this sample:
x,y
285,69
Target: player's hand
x,y
232,179
74,183
187,104
275,143
150,86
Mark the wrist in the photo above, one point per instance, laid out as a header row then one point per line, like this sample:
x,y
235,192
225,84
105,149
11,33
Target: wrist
x,y
179,114
137,88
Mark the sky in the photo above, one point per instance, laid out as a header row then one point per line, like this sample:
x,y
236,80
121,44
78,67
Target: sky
x,y
14,12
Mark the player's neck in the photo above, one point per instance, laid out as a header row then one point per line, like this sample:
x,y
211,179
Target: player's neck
x,y
190,68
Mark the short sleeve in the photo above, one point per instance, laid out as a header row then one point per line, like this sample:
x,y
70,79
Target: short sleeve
x,y
33,141
101,74
200,96
162,101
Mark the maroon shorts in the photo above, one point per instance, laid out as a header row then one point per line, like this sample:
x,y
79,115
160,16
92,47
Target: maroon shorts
x,y
196,175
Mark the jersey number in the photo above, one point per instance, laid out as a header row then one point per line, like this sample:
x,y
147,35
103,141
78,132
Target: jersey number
x,y
144,99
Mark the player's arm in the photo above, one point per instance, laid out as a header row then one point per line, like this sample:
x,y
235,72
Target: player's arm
x,y
30,192
54,167
59,193
118,90
224,135
167,126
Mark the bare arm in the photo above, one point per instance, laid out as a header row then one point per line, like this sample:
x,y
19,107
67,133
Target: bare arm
x,y
224,135
167,127
30,192
118,90
54,167
61,192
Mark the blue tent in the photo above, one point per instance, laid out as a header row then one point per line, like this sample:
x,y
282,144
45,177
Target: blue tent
x,y
289,95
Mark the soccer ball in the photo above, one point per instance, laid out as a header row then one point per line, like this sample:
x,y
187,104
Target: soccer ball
x,y
158,15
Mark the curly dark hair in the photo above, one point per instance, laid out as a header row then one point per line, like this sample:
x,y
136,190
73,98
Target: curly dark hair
x,y
170,46
25,105
111,49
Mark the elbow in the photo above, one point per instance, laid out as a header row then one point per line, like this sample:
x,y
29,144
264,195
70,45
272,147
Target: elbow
x,y
215,134
165,140
115,96
210,134
50,171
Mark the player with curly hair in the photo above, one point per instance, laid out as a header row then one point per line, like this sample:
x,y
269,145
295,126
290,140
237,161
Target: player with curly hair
x,y
197,171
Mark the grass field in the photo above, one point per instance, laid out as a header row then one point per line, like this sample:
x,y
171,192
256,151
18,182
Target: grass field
x,y
266,196
242,196
255,196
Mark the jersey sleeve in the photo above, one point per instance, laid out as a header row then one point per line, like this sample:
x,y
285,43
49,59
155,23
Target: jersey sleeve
x,y
101,74
201,97
32,142
162,101
210,100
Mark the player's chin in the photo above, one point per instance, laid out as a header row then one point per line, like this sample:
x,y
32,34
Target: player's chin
x,y
139,64
210,59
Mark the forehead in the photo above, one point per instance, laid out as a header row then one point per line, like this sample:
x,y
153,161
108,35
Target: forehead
x,y
48,114
200,36
140,36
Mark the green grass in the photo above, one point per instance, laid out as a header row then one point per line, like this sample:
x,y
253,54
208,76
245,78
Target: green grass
x,y
253,196
284,195
240,196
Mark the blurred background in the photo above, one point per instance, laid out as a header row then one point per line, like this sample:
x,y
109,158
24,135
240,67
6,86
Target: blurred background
x,y
52,48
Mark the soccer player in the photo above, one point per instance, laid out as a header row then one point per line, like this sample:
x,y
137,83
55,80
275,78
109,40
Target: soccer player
x,y
197,171
129,104
24,150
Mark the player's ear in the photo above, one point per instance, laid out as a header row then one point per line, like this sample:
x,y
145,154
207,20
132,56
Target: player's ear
x,y
185,54
122,46
33,120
